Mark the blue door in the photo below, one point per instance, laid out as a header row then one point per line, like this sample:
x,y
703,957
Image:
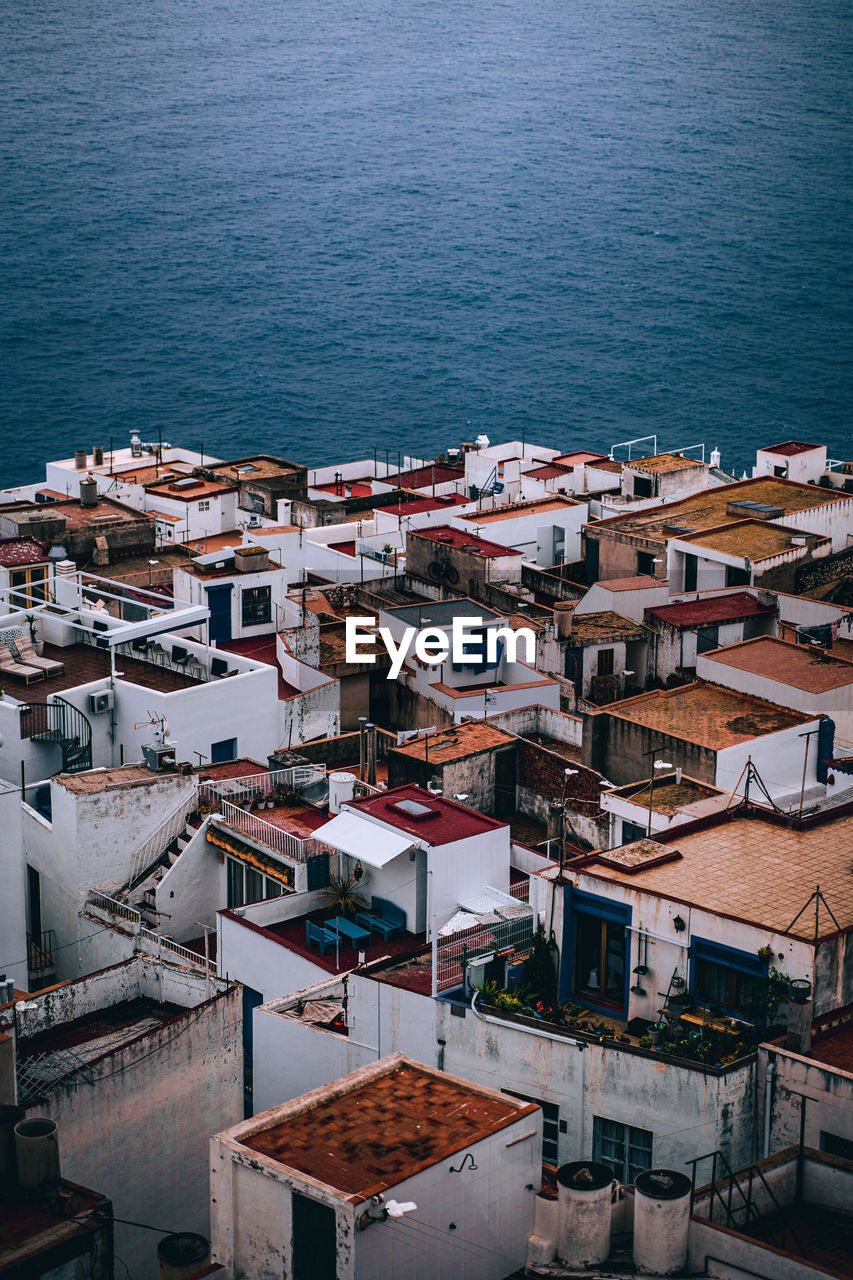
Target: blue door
x,y
219,603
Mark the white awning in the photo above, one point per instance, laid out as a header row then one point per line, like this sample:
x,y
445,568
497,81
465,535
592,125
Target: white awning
x,y
363,839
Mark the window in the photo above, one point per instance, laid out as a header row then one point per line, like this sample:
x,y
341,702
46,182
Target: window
x,y
627,1150
224,750
834,1145
605,662
204,505
736,577
246,884
600,961
643,487
645,564
690,572
257,605
707,638
721,976
550,1124
29,584
632,831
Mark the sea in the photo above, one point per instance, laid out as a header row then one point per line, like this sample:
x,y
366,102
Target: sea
x,y
326,229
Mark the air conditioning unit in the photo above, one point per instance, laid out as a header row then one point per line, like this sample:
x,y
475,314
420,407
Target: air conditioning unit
x,y
101,702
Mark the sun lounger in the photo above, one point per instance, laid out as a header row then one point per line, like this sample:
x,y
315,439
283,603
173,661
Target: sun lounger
x,y
27,654
9,667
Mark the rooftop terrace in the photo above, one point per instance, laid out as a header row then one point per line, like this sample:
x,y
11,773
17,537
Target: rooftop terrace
x,y
706,714
801,666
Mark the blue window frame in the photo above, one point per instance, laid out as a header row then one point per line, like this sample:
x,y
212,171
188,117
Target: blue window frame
x,y
594,969
726,978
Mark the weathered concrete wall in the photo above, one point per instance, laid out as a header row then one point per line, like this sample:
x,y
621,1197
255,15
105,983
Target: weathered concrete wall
x,y
828,1090
137,1124
619,749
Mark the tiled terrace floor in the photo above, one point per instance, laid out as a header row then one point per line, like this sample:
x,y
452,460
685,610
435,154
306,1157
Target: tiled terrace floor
x,y
292,934
84,663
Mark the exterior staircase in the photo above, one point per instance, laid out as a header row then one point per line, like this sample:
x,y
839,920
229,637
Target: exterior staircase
x,y
60,722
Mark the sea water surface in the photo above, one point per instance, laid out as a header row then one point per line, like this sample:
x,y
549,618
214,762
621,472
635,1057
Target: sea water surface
x,y
321,229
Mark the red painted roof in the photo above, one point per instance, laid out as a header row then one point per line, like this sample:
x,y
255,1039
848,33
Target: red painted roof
x,y
790,447
700,613
416,505
549,472
446,821
339,489
423,476
15,552
465,541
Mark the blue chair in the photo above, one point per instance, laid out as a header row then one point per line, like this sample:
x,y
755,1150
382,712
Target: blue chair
x,y
315,933
387,917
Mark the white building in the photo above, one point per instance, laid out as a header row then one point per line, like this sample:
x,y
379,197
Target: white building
x,y
394,1170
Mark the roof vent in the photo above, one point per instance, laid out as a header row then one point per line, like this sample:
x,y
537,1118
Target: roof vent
x,y
754,510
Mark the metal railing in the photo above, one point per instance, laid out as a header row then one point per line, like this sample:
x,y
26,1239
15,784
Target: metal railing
x,y
520,890
362,789
60,722
149,853
40,948
265,833
121,911
500,923
256,786
744,1205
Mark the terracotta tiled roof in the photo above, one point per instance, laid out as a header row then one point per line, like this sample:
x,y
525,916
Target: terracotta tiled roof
x,y
799,665
701,613
456,743
757,870
377,1134
706,715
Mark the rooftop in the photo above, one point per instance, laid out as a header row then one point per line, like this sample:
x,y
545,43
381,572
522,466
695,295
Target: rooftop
x,y
429,818
549,472
362,1136
753,867
290,933
34,1231
101,1032
835,1048
702,613
456,743
79,517
790,448
801,666
263,649
538,507
604,625
465,541
119,779
706,714
640,582
414,506
662,462
668,795
440,613
756,540
421,477
85,663
188,488
21,551
708,509
338,489
259,466
579,457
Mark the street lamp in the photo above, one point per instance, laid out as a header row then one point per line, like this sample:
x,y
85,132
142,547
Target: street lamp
x,y
658,764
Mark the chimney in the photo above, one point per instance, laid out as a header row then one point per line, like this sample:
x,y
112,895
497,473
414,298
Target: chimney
x,y
563,619
37,1155
800,1016
370,736
80,459
555,821
98,455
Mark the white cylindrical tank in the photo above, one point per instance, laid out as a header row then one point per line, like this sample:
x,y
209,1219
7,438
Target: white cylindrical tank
x,y
37,1155
341,789
661,1221
584,1191
182,1254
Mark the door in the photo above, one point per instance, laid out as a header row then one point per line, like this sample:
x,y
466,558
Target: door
x,y
505,779
33,903
251,1000
219,604
314,1248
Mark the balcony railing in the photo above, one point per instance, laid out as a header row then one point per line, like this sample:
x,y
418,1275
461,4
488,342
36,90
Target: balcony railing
x,y
40,949
295,848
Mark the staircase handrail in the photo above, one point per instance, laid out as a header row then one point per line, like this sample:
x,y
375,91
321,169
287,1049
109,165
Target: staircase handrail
x,y
144,859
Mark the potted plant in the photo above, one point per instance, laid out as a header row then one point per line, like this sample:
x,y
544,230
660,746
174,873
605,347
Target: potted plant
x,y
657,1031
32,623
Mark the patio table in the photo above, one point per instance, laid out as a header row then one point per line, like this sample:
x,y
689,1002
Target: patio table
x,y
346,929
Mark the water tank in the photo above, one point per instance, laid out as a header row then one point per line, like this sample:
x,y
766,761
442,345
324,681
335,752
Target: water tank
x,y
80,459
37,1154
9,1117
661,1221
181,1254
89,492
583,1214
341,788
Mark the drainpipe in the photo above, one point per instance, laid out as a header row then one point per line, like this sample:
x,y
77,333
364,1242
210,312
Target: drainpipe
x,y
769,1073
